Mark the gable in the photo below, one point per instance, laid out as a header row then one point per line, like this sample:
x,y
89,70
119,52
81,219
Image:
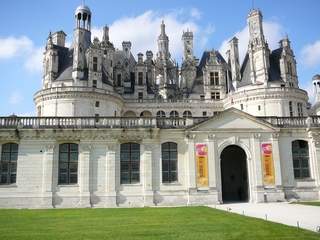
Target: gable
x,y
233,119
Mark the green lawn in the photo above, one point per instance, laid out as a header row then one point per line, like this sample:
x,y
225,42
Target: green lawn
x,y
141,223
311,203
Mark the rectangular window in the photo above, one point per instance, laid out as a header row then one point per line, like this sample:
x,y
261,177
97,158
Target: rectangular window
x,y
97,117
290,109
119,80
214,78
94,83
300,159
241,106
8,163
201,97
129,163
140,78
215,95
204,114
68,163
169,157
259,107
95,64
97,104
140,95
300,111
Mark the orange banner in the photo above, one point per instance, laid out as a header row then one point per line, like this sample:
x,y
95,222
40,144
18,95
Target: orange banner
x,y
267,164
202,165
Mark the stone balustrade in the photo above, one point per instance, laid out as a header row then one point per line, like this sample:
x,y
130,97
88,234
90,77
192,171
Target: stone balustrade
x,y
136,122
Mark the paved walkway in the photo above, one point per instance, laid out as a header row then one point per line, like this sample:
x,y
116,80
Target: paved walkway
x,y
307,217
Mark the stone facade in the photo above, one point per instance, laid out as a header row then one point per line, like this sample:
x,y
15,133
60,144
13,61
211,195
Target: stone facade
x,y
97,100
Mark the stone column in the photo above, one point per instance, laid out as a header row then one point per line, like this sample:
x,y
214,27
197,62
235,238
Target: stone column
x,y
191,169
111,195
212,149
147,174
256,184
276,159
314,158
47,176
84,174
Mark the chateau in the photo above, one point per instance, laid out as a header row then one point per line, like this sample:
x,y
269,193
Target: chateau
x,y
117,130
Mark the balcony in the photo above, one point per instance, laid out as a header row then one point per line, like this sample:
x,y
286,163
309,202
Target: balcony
x,y
135,122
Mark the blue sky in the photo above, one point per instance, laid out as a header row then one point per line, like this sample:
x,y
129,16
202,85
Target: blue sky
x,y
26,24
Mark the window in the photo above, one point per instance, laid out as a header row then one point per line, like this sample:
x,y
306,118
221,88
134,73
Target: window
x,y
140,78
204,114
187,114
214,78
300,158
39,111
68,163
140,95
202,97
97,104
161,114
119,80
97,117
174,114
169,155
300,111
241,106
8,163
215,113
290,109
129,163
215,95
95,64
259,108
94,83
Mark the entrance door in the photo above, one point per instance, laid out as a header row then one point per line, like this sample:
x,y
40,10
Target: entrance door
x,y
234,174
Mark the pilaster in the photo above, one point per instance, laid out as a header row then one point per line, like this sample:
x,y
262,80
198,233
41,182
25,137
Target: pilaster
x,y
84,174
47,176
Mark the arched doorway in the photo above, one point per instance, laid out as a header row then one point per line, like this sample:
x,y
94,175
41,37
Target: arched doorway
x,y
234,174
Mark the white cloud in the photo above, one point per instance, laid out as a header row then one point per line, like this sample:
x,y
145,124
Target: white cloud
x,y
23,47
15,97
14,46
195,13
273,32
144,29
311,54
33,62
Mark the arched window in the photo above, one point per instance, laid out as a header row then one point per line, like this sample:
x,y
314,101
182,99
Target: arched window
x,y
187,114
8,163
169,155
161,114
68,163
174,114
129,163
300,158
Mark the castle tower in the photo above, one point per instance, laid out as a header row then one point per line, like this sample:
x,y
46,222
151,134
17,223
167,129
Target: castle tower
x,y
187,38
234,60
50,63
81,41
258,49
316,87
288,65
163,43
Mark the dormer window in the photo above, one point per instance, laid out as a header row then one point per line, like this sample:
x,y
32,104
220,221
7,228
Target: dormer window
x,y
214,78
95,64
140,78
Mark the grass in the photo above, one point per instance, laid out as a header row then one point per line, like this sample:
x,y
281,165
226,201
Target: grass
x,y
311,203
141,223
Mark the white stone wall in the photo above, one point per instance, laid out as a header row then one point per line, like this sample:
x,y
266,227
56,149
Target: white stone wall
x,y
99,168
